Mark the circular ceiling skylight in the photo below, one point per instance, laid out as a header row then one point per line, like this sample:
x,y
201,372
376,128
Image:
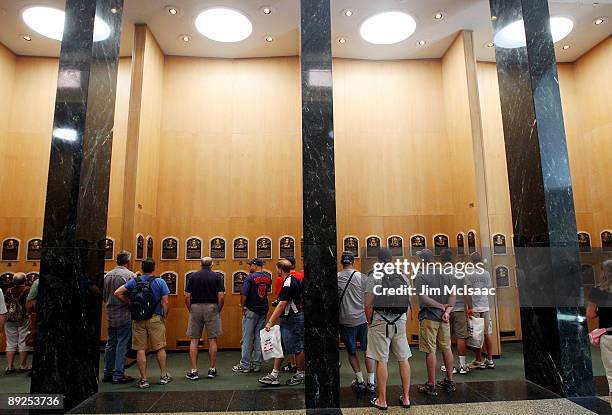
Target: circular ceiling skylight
x,y
388,28
513,35
49,22
224,25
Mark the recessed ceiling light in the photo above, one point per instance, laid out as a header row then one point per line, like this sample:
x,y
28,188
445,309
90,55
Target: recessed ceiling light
x,y
185,38
438,15
566,47
387,28
224,25
513,35
172,10
493,17
600,20
342,40
266,10
114,10
49,22
422,42
269,39
348,12
27,38
489,44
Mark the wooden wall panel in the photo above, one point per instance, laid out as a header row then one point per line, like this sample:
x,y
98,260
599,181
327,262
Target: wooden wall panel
x,y
230,165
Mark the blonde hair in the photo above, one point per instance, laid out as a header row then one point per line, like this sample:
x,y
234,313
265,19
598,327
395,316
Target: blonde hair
x,y
606,281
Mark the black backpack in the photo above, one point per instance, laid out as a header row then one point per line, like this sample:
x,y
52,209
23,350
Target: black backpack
x,y
143,303
392,304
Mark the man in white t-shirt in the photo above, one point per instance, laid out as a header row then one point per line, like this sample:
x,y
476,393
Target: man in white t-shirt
x,y
478,306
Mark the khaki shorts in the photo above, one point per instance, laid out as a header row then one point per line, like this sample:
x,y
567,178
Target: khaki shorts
x,y
379,345
16,333
458,325
204,315
432,334
149,334
488,323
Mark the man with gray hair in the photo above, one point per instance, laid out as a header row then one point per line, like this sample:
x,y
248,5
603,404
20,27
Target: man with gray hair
x,y
17,325
204,298
119,321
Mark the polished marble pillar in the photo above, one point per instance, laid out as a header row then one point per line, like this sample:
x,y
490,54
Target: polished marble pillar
x,y
320,280
67,350
556,347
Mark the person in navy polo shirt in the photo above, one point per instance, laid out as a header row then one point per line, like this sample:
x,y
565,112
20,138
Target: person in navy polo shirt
x,y
254,304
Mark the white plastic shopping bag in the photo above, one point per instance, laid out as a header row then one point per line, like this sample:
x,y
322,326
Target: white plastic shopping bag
x,y
271,343
476,331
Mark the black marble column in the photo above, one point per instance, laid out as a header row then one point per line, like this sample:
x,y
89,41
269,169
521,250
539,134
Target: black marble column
x,y
320,281
556,347
68,331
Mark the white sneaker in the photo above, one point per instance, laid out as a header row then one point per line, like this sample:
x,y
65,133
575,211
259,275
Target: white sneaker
x,y
443,369
464,370
477,365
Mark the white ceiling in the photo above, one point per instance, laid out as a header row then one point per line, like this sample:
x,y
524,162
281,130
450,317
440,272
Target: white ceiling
x,y
283,25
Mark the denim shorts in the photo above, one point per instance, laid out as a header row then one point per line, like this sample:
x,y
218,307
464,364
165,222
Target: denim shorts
x,y
292,333
351,335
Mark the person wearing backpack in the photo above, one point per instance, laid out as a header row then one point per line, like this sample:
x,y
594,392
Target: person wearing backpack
x,y
434,316
353,321
386,315
147,295
17,325
254,305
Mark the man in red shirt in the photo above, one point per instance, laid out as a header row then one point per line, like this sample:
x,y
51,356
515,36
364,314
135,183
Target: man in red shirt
x,y
291,366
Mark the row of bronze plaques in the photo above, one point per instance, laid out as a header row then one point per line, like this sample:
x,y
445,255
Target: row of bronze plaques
x,y
217,248
503,276
286,246
6,279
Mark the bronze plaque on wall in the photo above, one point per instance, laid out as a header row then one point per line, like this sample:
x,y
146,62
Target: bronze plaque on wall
x,y
140,247
193,248
240,248
396,244
584,242
238,281
499,244
109,248
187,276
471,242
287,247
34,248
417,242
351,244
460,244
6,279
169,248
440,242
372,246
170,278
264,248
10,249
30,278
149,247
606,241
502,276
217,248
588,274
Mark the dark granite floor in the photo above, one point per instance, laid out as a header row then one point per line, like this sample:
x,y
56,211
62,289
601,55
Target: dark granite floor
x,y
268,399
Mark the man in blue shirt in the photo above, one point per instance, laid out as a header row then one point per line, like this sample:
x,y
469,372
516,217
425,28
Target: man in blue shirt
x,y
254,304
149,334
